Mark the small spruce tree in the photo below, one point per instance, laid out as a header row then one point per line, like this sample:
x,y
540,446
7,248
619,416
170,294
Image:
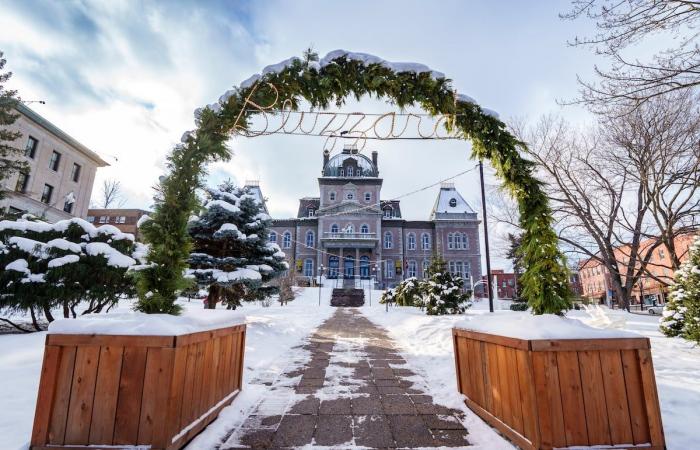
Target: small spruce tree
x,y
231,255
682,314
442,292
10,156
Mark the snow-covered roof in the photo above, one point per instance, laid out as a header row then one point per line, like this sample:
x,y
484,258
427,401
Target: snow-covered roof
x,y
450,202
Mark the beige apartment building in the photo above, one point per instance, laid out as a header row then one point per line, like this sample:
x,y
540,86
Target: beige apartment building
x,y
61,172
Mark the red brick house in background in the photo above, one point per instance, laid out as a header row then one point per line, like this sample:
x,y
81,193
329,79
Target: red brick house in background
x,y
596,281
124,219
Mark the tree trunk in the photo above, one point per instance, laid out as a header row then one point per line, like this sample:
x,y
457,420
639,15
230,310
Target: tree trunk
x,y
66,311
35,323
9,322
213,297
47,314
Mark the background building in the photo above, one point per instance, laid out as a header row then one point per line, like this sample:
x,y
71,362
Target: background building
x,y
353,233
124,219
61,172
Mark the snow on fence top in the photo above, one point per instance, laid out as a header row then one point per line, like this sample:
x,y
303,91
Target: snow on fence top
x,y
141,324
545,326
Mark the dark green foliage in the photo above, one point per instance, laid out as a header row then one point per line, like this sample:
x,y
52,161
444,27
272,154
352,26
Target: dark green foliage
x,y
441,291
407,293
682,313
11,160
518,306
93,268
545,280
231,255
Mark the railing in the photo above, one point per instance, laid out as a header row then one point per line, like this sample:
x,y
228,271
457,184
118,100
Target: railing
x,y
344,235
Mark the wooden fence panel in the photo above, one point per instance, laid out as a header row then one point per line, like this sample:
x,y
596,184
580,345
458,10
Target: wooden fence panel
x,y
123,391
546,394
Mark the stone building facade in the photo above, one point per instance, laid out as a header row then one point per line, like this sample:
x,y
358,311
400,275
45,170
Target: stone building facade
x,y
352,233
61,172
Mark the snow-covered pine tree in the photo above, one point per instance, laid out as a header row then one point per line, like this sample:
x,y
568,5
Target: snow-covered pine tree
x,y
64,264
682,313
10,156
441,292
408,292
231,254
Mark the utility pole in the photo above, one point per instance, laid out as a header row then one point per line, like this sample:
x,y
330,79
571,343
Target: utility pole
x,y
486,237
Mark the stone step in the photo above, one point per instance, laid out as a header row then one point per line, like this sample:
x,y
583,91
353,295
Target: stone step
x,y
348,297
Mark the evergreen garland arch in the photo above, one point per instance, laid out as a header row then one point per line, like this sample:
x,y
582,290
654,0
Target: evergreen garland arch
x,y
332,80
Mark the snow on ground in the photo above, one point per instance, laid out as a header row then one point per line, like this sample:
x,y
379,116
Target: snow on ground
x,y
426,343
271,332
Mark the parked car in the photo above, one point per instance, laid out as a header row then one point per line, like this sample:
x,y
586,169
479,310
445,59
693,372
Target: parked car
x,y
655,310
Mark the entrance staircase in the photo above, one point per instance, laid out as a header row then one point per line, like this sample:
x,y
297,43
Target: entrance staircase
x,y
348,297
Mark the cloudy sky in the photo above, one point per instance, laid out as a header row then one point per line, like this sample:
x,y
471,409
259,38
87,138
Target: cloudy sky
x,y
124,77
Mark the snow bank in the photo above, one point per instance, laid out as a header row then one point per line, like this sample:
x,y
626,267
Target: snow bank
x,y
136,323
546,326
62,226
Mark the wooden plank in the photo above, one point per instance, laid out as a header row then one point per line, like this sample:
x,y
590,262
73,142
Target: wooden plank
x,y
215,375
241,359
102,340
488,400
235,362
204,404
651,397
199,382
126,425
527,396
156,383
635,397
616,397
201,424
496,422
46,394
188,390
478,373
543,345
492,351
221,378
203,336
549,407
514,386
177,392
455,352
594,398
572,399
104,410
504,385
466,367
64,381
494,339
227,355
82,395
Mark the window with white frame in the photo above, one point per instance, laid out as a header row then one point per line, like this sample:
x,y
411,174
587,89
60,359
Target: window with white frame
x,y
388,240
465,241
350,196
104,219
450,241
310,211
287,239
425,241
331,196
411,241
388,213
310,239
350,228
334,228
467,273
308,267
426,266
272,237
389,272
412,268
458,268
350,171
451,266
368,196
364,228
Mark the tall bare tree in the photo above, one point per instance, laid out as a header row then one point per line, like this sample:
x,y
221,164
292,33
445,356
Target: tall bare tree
x,y
111,194
621,24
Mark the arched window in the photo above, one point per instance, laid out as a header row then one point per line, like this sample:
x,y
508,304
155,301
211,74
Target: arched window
x,y
388,212
310,211
388,240
364,228
287,240
411,241
342,172
334,228
458,269
349,171
467,273
425,241
412,269
426,265
368,196
308,267
450,241
465,241
331,196
310,239
272,237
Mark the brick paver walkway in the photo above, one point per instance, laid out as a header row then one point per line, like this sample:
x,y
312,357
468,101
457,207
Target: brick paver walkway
x,y
355,390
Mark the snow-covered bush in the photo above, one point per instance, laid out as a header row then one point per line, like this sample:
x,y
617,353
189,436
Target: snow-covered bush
x,y
387,297
44,265
231,255
518,306
407,293
442,292
682,313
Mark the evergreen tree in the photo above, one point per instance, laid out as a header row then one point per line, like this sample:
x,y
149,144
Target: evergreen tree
x,y
407,293
514,254
231,254
64,264
10,156
682,313
441,292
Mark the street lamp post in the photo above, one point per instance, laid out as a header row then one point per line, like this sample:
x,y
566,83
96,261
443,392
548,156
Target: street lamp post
x,y
371,277
320,275
486,236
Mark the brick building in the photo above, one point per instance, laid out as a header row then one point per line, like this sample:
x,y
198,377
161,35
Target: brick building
x,y
124,219
649,290
58,184
349,230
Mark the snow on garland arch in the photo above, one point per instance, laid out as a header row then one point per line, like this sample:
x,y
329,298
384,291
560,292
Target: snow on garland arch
x,y
323,82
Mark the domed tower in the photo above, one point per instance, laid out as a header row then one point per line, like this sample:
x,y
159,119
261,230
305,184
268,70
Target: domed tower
x,y
350,163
